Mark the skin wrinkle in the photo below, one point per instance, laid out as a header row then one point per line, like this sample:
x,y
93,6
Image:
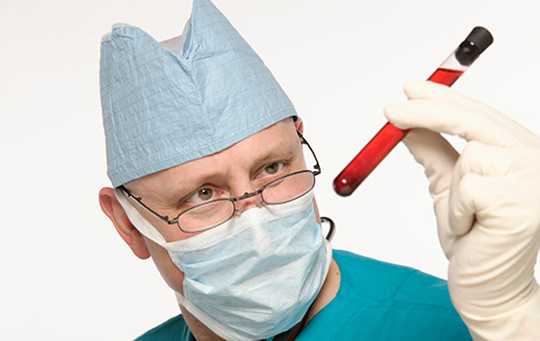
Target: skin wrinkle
x,y
214,177
236,164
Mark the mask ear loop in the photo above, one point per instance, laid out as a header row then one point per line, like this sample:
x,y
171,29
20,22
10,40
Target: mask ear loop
x,y
331,230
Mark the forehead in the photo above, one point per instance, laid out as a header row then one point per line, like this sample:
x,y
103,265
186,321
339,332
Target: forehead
x,y
280,136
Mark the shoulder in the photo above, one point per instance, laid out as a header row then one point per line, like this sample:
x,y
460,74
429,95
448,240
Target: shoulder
x,y
388,281
378,300
173,329
370,279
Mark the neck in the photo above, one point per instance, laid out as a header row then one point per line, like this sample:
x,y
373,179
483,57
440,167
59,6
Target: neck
x,y
326,295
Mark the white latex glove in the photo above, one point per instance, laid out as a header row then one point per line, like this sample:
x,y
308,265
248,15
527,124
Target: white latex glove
x,y
487,203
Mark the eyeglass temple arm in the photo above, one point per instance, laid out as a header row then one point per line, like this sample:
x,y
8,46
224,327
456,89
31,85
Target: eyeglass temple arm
x,y
170,221
317,166
165,218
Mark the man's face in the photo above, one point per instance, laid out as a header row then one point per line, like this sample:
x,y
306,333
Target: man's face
x,y
243,167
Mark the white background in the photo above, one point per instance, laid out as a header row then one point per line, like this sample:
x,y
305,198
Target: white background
x,y
64,272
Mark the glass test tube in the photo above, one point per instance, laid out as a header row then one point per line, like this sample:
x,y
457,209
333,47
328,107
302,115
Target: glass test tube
x,y
389,136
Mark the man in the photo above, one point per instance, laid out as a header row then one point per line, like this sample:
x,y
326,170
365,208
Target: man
x,y
214,180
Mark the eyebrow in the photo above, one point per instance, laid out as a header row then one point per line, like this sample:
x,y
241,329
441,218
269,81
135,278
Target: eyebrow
x,y
277,152
281,152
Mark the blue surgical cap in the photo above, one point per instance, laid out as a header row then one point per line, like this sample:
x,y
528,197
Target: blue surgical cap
x,y
163,107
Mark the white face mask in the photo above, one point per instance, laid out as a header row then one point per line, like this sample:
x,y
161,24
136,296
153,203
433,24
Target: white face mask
x,y
253,276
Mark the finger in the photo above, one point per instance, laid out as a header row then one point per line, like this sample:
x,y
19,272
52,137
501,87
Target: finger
x,y
476,160
434,91
438,158
431,90
446,236
487,160
469,198
479,159
461,203
449,118
435,154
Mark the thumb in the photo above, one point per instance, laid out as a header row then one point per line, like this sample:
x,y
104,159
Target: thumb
x,y
435,154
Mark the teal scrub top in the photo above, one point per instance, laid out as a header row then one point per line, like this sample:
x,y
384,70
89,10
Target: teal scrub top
x,y
376,301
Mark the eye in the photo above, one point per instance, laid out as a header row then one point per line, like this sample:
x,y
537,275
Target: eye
x,y
274,167
205,193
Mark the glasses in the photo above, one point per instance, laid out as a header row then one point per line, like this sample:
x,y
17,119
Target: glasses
x,y
212,213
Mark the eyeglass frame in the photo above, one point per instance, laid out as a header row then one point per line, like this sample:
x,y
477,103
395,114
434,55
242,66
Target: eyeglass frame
x,y
174,221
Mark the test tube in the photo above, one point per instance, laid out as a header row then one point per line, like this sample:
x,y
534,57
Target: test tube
x,y
389,136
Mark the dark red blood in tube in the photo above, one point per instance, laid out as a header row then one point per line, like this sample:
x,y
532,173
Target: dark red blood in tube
x,y
389,136
445,76
381,144
368,158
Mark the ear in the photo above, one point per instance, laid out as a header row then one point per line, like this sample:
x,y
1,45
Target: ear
x,y
112,209
298,124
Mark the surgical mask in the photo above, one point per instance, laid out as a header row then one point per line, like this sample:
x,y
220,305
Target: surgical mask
x,y
253,276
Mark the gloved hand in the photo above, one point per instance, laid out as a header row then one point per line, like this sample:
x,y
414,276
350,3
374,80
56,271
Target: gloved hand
x,y
487,204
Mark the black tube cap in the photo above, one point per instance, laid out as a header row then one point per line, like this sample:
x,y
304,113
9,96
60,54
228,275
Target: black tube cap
x,y
476,42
